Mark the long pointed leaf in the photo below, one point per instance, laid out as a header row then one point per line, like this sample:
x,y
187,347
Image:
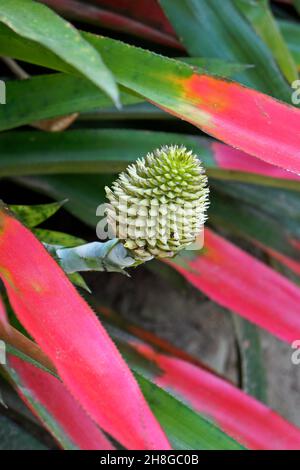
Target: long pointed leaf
x,y
243,417
260,16
68,332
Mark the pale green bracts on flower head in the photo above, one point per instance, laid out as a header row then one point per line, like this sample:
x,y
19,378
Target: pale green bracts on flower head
x,y
158,205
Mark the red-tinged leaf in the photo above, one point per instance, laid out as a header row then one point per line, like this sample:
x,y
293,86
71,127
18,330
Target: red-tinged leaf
x,y
148,11
51,394
261,127
123,20
69,333
229,158
239,282
3,316
241,416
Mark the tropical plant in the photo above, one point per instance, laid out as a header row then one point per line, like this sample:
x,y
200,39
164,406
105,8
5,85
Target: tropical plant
x,y
77,108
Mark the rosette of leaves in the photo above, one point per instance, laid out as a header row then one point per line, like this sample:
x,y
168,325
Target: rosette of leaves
x,y
158,205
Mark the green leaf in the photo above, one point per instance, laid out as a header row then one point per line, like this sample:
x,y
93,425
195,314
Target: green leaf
x,y
13,437
291,34
36,214
53,237
296,4
36,22
259,14
281,205
84,193
252,366
220,67
217,29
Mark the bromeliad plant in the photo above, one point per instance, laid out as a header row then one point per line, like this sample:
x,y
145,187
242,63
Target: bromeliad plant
x,y
89,381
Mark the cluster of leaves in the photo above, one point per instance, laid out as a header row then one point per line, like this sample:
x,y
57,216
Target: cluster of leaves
x,y
78,377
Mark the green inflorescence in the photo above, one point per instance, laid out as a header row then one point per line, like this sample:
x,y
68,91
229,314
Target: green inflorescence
x,y
158,205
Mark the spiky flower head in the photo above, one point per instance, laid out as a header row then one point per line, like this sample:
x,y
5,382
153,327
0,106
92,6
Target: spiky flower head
x,y
158,205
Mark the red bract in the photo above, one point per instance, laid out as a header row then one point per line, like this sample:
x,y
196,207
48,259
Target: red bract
x,y
51,394
247,420
237,281
67,330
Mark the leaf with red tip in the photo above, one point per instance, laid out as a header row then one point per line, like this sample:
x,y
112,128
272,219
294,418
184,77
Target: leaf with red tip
x,y
69,333
237,281
243,417
55,407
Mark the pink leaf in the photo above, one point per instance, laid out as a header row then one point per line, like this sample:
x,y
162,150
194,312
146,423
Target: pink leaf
x,y
70,334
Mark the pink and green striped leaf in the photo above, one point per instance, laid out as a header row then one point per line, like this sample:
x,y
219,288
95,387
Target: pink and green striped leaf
x,y
241,283
139,19
111,150
243,417
67,330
